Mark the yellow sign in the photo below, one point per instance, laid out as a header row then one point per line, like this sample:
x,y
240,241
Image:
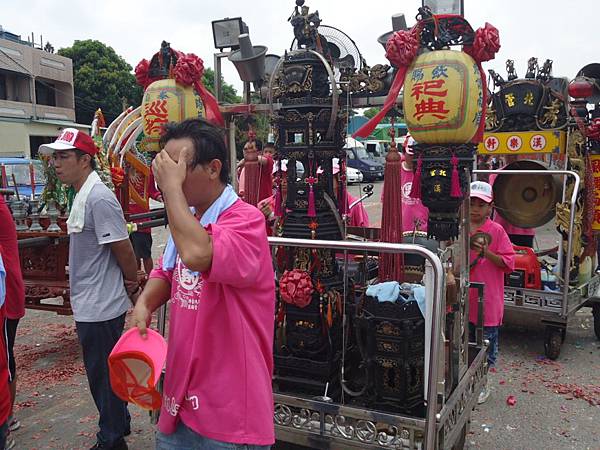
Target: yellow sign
x,y
523,142
595,160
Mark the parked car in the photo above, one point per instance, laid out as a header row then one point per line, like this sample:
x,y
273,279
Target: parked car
x,y
353,175
19,167
376,150
358,158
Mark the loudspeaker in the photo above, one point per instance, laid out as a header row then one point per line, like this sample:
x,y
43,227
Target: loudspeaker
x,y
249,60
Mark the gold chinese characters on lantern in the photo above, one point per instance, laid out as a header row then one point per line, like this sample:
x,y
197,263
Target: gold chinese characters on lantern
x,y
443,98
166,101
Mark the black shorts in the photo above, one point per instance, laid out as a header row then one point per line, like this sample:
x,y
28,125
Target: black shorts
x,y
142,244
10,332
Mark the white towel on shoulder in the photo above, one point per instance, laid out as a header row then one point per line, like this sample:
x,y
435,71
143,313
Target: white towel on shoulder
x,y
76,218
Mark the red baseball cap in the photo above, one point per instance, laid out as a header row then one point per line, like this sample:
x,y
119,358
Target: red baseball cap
x,y
70,139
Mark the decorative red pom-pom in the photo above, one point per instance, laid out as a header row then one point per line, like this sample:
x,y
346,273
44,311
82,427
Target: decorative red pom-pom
x,y
189,69
402,47
296,288
486,44
141,73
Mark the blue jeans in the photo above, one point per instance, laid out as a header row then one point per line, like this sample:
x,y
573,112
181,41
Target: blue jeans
x,y
97,341
491,334
186,439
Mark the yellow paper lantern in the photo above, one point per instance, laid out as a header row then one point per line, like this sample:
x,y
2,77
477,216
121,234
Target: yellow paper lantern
x,y
443,98
166,101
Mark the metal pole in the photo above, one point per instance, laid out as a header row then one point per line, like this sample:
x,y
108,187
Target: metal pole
x,y
565,269
437,317
233,155
217,80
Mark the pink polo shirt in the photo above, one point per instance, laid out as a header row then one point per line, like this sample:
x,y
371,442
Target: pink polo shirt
x,y
220,354
492,276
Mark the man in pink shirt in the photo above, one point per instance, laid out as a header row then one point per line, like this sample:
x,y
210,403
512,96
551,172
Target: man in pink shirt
x,y
491,256
217,273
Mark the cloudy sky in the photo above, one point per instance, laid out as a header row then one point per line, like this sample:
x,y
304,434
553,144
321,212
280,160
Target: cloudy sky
x,y
552,29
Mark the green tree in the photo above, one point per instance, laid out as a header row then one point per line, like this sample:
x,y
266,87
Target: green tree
x,y
229,93
102,79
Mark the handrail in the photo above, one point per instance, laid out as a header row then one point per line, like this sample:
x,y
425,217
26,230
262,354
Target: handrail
x,y
566,265
437,316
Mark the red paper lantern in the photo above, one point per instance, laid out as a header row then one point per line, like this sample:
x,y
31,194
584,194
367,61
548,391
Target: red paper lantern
x,y
581,88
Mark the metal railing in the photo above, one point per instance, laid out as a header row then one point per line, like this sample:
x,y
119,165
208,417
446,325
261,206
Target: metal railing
x,y
565,266
438,310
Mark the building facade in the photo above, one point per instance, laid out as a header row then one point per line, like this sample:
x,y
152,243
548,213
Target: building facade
x,y
36,96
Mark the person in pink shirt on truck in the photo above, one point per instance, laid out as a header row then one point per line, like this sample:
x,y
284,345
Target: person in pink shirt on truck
x,y
491,256
217,273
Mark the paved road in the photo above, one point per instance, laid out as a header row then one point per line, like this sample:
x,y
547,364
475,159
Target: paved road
x,y
553,407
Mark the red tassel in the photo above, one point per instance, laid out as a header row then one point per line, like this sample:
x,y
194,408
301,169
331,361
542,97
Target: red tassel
x,y
252,175
455,190
312,211
415,191
391,266
278,208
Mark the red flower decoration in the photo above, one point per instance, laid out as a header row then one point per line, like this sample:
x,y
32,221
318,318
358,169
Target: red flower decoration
x,y
296,288
118,175
593,130
189,69
402,47
485,45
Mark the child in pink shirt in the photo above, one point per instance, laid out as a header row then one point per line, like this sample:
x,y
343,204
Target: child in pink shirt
x,y
491,256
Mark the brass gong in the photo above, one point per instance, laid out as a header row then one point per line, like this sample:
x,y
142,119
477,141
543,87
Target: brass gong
x,y
526,201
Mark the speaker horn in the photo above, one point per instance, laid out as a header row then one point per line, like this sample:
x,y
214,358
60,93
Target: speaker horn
x,y
249,60
526,201
398,23
592,73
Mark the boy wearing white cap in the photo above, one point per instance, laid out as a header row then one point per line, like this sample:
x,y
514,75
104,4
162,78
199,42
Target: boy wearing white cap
x,y
491,256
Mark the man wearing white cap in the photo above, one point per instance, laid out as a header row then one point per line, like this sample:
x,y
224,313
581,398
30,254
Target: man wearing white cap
x,y
102,274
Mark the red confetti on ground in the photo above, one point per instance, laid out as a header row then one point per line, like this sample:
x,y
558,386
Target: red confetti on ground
x,y
511,400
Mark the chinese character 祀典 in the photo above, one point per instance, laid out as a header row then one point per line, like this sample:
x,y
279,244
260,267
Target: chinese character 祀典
x,y
429,106
417,75
528,100
509,99
429,88
440,71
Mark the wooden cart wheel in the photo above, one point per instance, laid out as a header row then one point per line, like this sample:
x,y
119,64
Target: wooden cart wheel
x,y
553,342
596,314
